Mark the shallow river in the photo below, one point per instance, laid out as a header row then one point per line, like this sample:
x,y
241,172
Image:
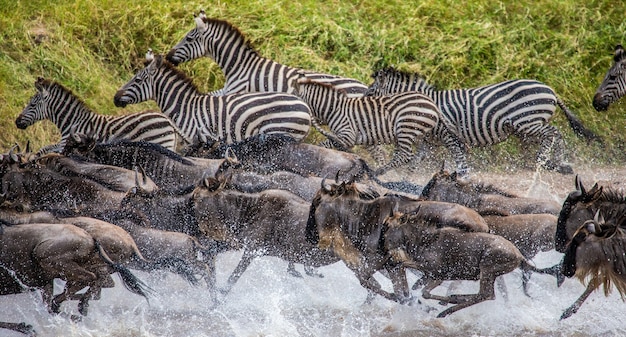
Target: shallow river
x,y
269,302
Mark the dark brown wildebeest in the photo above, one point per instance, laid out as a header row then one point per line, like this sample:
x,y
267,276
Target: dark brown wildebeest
x,y
36,254
38,187
112,177
447,253
591,231
531,234
118,243
170,171
485,199
349,222
270,222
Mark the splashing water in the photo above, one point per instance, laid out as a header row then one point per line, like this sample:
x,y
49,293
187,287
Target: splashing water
x,y
267,301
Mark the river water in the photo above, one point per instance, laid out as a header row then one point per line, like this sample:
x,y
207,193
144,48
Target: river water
x,y
267,301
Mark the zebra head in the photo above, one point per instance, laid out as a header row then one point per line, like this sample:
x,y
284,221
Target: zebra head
x,y
614,84
38,107
140,88
194,44
380,82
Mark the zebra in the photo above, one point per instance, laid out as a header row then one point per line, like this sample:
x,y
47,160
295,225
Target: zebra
x,y
401,119
245,70
71,115
229,118
487,115
613,87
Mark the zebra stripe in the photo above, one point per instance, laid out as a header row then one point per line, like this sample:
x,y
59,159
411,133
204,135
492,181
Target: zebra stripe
x,y
70,114
229,118
245,70
613,87
402,119
487,115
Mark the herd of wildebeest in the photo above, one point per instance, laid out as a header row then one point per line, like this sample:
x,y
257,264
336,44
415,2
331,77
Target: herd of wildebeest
x,y
97,206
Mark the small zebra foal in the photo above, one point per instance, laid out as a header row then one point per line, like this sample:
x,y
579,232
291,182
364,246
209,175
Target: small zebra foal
x,y
402,119
70,114
613,87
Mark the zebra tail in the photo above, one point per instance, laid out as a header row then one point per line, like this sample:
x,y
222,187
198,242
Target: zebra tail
x,y
579,129
336,142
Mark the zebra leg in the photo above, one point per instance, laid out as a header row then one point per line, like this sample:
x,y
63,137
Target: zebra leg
x,y
551,140
458,150
401,155
377,152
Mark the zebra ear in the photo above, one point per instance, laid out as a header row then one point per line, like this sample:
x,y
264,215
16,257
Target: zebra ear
x,y
149,56
39,84
201,21
619,53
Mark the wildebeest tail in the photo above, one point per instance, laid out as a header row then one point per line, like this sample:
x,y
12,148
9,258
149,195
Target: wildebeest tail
x,y
131,282
311,234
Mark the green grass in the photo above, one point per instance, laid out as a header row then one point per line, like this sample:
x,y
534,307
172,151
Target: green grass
x,y
93,48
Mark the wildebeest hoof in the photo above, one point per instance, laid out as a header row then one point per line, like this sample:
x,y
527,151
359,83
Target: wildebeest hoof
x,y
294,272
55,307
83,307
76,318
560,278
313,272
567,313
26,329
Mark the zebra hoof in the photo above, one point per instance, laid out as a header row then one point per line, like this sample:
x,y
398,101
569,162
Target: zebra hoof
x,y
565,169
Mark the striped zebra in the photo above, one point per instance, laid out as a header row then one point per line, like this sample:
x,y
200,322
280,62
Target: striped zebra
x,y
488,115
613,87
229,118
402,119
70,114
245,70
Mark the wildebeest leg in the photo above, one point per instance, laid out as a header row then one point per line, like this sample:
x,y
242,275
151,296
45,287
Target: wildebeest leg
x,y
503,290
486,292
291,269
397,275
71,288
593,284
312,271
24,328
245,261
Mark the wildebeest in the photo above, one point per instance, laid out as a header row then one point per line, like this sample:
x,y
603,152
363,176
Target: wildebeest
x,y
530,233
595,251
485,199
350,222
270,222
166,168
38,188
116,241
446,253
24,328
39,253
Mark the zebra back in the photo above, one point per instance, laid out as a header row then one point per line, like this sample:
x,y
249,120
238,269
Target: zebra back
x,y
613,87
227,118
70,114
245,70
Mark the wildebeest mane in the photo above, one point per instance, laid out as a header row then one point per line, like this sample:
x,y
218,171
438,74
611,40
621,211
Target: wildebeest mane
x,y
130,146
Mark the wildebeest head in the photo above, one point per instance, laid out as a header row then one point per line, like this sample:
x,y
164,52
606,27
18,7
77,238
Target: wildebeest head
x,y
579,206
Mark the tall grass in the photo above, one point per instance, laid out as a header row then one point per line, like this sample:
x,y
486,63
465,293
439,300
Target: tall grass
x,y
94,47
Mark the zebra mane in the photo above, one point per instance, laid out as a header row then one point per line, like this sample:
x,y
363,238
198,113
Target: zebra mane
x,y
163,62
230,27
50,84
324,85
404,76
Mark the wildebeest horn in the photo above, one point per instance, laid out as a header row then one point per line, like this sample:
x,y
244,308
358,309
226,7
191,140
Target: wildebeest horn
x,y
579,185
324,186
230,156
443,165
337,176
